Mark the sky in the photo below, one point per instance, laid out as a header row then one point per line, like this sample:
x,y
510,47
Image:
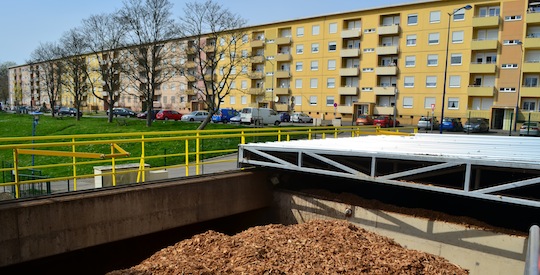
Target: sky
x,y
24,24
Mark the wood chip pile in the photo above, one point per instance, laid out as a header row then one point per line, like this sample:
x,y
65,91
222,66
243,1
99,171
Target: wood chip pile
x,y
315,247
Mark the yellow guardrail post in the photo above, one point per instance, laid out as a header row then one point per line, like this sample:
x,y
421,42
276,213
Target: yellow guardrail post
x,y
279,135
113,162
74,163
197,153
309,133
141,173
336,132
16,172
187,157
243,139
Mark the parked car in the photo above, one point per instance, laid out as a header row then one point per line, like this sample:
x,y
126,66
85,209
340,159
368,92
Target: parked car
x,y
127,112
168,115
385,121
476,124
364,120
236,119
301,117
284,117
224,115
68,111
428,123
529,129
195,116
144,114
451,124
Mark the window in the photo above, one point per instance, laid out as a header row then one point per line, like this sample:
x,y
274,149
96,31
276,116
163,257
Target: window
x,y
431,81
407,102
432,60
410,61
332,46
369,30
315,47
459,15
298,100
299,66
435,17
298,83
315,30
411,40
455,81
367,70
243,99
529,105
512,18
331,64
313,83
509,66
300,31
332,27
511,42
313,100
315,65
244,53
412,19
433,38
457,37
299,49
245,38
369,50
367,89
331,82
233,84
330,101
530,81
408,81
243,84
455,59
489,11
453,103
232,100
244,69
428,101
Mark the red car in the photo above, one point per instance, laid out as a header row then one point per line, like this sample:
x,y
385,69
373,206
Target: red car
x,y
168,115
385,121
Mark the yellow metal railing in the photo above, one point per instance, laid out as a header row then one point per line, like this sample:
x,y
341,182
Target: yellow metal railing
x,y
71,158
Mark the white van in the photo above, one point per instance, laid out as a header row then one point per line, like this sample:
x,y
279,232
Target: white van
x,y
259,116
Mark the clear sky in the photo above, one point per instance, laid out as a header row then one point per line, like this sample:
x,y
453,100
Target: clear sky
x,y
24,24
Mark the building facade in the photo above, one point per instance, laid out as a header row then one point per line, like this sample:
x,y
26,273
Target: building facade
x,y
482,57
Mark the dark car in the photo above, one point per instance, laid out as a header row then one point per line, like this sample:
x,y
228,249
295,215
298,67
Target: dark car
x,y
127,112
451,124
68,111
285,117
224,115
168,115
144,114
385,121
476,124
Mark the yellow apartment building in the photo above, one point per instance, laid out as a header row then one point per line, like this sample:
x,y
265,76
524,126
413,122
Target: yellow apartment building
x,y
482,57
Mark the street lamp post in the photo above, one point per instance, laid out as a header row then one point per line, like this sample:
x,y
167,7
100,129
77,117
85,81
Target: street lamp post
x,y
468,7
518,87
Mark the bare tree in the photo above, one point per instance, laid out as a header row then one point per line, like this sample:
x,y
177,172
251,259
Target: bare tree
x,y
46,57
76,78
4,81
105,35
218,45
150,27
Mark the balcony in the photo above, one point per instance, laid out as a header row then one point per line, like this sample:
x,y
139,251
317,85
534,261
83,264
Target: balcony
x,y
256,91
191,64
257,43
349,71
354,33
209,48
257,59
478,44
529,91
485,21
482,68
190,92
385,30
481,91
350,52
282,74
383,110
348,90
281,107
191,50
345,109
282,91
190,78
533,17
386,50
532,42
283,40
256,75
210,77
531,66
385,90
280,57
386,70
158,92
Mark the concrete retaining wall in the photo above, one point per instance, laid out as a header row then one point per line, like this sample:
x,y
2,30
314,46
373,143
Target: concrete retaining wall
x,y
45,227
481,252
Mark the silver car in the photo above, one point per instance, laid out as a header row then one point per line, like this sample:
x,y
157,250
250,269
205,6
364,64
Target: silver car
x,y
195,116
